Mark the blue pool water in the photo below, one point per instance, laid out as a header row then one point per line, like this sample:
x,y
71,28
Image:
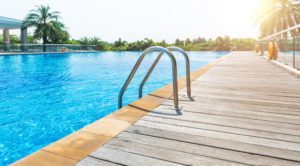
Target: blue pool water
x,y
291,52
48,96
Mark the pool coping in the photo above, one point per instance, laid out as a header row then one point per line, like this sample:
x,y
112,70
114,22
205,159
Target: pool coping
x,y
36,53
74,147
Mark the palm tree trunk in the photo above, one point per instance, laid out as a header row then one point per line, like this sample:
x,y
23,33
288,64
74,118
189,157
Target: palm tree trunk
x,y
284,27
297,22
44,36
291,24
284,17
44,42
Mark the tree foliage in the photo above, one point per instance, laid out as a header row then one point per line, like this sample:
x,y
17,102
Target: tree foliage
x,y
58,34
276,15
197,44
12,38
223,44
47,26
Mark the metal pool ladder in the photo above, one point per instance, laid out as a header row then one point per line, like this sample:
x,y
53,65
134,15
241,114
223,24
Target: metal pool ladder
x,y
174,72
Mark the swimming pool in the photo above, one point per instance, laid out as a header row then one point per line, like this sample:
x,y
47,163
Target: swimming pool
x,y
45,97
291,52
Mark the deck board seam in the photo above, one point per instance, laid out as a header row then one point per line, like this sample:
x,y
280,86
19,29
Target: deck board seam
x,y
217,147
215,124
186,152
243,109
147,156
106,160
238,117
226,132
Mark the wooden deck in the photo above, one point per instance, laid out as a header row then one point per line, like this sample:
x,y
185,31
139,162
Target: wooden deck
x,y
246,111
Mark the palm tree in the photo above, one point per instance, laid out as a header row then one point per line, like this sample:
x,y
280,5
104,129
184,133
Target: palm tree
x,y
276,15
57,33
85,41
95,40
296,12
100,45
120,43
43,20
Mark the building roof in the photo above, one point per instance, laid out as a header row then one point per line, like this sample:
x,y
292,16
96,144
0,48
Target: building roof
x,y
10,23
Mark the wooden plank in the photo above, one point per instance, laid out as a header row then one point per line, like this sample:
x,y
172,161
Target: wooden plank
x,y
222,135
259,84
220,105
91,161
225,129
265,84
246,77
203,150
230,121
254,101
197,108
240,108
165,154
246,89
125,158
218,143
244,94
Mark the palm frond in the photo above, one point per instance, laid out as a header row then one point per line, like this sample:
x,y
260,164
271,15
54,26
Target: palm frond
x,y
276,15
46,24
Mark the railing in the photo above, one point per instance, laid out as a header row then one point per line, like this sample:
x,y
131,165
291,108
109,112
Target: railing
x,y
174,72
46,48
288,43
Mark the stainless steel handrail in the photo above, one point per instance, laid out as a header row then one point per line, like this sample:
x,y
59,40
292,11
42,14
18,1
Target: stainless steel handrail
x,y
281,32
136,66
187,64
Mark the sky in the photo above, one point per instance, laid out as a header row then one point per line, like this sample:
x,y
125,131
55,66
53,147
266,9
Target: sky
x,y
134,20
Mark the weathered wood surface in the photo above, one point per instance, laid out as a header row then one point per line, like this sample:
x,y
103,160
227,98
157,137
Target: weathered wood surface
x,y
246,111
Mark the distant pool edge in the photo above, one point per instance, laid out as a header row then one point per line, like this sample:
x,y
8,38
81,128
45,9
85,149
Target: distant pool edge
x,y
37,53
